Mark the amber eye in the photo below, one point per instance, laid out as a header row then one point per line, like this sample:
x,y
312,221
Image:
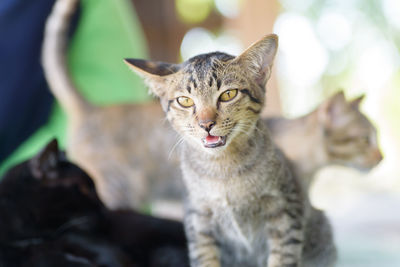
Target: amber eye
x,y
185,101
365,139
228,95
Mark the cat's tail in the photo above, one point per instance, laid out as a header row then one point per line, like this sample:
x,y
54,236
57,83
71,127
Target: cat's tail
x,y
54,60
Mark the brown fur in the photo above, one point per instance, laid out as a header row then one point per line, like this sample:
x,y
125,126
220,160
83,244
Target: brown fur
x,y
336,132
111,143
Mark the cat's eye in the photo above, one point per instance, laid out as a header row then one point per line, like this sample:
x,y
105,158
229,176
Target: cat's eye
x,y
185,101
365,139
228,95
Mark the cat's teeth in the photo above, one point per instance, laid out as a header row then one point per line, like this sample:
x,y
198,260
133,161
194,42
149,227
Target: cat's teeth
x,y
212,141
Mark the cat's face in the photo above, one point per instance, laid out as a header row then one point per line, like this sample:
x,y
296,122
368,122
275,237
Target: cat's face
x,y
213,100
350,138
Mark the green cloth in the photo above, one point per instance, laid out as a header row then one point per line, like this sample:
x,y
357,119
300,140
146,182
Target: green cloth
x,y
108,31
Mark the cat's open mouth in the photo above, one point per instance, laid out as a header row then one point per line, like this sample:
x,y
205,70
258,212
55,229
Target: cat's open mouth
x,y
211,141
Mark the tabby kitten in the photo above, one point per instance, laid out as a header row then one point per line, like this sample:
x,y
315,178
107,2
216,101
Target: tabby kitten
x,y
337,132
111,143
244,205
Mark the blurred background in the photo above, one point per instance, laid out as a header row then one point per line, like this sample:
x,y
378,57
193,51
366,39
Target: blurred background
x,y
325,46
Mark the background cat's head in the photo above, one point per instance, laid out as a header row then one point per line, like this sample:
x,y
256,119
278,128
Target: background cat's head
x,y
350,138
212,99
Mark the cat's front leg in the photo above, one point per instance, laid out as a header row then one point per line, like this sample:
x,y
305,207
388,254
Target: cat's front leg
x,y
285,238
285,249
203,251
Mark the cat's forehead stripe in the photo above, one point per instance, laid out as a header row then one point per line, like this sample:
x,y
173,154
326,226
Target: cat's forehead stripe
x,y
218,84
205,68
193,81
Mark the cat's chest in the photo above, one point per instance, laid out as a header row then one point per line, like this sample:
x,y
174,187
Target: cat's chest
x,y
235,199
238,225
235,194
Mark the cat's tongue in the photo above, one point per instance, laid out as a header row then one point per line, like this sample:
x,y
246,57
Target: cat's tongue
x,y
211,139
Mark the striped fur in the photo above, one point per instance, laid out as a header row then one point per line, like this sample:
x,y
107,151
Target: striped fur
x,y
337,132
245,206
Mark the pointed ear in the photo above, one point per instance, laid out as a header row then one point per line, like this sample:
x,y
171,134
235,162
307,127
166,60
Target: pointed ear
x,y
333,111
355,103
153,73
259,58
338,98
44,164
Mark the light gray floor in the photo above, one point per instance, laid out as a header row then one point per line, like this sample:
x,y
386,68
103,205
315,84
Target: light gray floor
x,y
368,235
365,214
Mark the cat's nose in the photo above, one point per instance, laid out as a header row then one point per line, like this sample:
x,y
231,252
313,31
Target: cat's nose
x,y
206,117
206,124
377,155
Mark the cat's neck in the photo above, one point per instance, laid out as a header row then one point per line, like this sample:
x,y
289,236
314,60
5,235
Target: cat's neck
x,y
308,155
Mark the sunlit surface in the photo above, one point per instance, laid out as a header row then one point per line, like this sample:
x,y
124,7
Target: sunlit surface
x,y
391,9
334,29
301,62
199,41
302,56
376,64
196,41
297,5
228,8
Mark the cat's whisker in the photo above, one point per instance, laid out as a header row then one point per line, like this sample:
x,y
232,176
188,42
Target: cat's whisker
x,y
180,141
164,120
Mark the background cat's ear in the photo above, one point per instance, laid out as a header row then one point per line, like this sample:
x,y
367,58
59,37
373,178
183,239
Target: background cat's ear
x,y
44,164
333,112
355,103
153,73
259,58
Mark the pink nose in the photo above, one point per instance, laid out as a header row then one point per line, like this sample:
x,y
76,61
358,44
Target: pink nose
x,y
206,124
206,118
377,155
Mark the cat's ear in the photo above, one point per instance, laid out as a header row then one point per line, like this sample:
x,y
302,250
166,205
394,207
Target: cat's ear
x,y
259,57
355,103
44,164
333,112
338,99
153,73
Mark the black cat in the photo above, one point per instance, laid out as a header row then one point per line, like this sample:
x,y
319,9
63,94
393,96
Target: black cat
x,y
50,215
